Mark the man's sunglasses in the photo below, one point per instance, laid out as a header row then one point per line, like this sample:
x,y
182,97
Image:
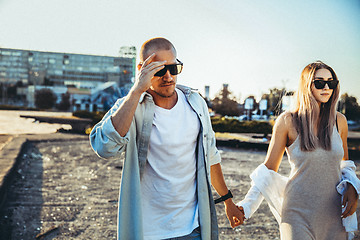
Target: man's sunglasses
x,y
320,84
174,69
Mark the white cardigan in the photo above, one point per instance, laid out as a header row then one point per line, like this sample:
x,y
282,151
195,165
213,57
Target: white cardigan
x,y
271,185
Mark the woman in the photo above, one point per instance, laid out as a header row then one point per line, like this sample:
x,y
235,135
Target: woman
x,y
307,204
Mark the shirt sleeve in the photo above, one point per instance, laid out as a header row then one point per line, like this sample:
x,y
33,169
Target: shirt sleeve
x,y
251,201
348,175
213,153
104,139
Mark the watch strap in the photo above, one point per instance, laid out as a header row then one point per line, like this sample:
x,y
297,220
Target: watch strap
x,y
223,198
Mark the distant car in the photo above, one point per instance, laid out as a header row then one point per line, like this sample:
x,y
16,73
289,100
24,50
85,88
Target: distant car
x,y
253,117
243,118
259,117
351,122
353,125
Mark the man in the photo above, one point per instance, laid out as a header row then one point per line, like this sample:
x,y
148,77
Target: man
x,y
169,145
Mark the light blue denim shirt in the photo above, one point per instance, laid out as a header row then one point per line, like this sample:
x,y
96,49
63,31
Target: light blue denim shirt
x,y
107,143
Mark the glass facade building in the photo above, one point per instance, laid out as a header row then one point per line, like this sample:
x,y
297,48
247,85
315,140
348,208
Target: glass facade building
x,y
27,67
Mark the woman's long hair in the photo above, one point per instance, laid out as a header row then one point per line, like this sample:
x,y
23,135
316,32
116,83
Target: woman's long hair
x,y
308,114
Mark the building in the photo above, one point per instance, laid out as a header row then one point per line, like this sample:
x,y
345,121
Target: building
x,y
207,93
26,70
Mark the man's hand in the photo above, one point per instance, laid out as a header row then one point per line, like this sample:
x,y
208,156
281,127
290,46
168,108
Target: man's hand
x,y
234,214
350,198
146,73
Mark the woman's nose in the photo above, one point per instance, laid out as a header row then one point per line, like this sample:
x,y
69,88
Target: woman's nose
x,y
326,86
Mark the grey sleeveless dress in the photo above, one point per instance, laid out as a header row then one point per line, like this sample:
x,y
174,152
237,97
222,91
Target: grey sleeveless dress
x,y
312,206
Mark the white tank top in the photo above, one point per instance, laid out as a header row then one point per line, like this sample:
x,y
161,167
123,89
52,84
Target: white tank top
x,y
168,185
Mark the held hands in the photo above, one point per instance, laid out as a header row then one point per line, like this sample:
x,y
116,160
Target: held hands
x,y
350,201
234,214
146,73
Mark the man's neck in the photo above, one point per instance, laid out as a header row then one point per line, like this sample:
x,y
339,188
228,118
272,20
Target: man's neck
x,y
167,102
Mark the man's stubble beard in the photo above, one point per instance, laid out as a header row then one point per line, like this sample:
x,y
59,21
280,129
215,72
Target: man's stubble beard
x,y
165,96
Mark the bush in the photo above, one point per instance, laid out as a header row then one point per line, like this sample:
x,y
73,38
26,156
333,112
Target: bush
x,y
221,124
45,98
64,104
94,116
11,107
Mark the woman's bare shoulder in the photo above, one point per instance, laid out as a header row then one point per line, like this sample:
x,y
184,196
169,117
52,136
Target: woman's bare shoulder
x,y
340,116
342,121
285,119
286,124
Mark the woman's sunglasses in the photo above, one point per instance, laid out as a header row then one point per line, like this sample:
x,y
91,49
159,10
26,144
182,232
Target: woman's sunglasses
x,y
174,69
320,84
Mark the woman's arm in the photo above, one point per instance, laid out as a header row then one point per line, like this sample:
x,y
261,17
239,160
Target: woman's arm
x,y
343,131
278,142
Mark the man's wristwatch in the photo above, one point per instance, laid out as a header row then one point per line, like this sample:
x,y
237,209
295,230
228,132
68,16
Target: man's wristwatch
x,y
223,198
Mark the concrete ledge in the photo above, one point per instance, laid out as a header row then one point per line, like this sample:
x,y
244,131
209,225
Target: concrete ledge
x,y
233,143
77,124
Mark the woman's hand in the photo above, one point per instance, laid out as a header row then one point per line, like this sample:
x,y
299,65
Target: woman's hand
x,y
234,214
243,213
350,200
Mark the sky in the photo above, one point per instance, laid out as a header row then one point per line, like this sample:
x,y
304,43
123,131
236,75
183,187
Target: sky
x,y
252,45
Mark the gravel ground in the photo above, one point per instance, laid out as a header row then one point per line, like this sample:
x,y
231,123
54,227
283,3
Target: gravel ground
x,y
237,165
62,190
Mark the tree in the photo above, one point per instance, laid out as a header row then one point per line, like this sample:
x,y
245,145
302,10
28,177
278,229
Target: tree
x,y
274,100
349,107
64,104
225,104
11,90
48,82
45,98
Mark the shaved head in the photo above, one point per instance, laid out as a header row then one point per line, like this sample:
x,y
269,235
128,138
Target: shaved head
x,y
153,45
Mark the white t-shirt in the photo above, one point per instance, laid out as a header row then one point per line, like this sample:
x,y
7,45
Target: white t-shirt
x,y
168,185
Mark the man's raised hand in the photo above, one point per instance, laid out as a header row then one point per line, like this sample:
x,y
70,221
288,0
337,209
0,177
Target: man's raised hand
x,y
147,72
